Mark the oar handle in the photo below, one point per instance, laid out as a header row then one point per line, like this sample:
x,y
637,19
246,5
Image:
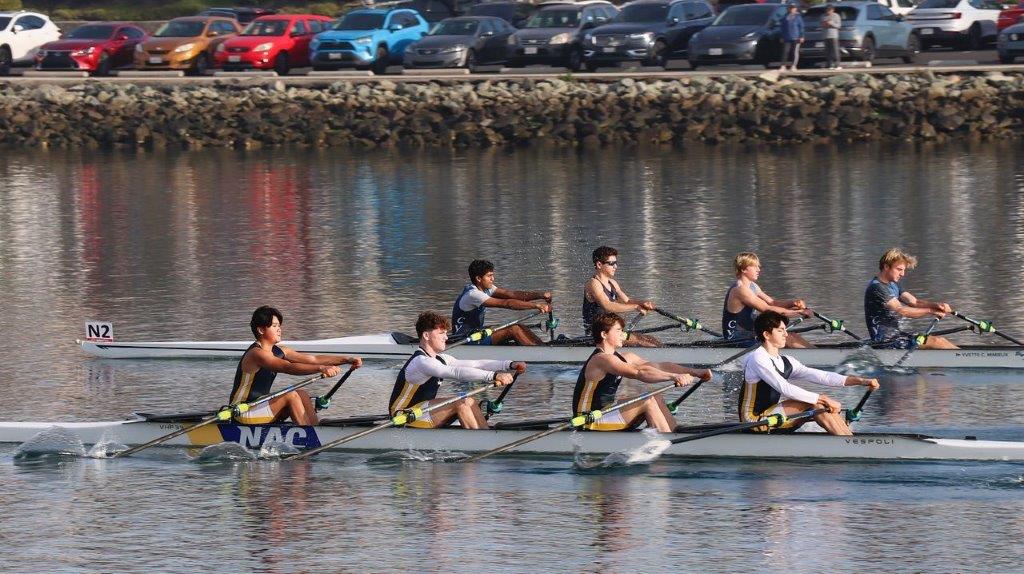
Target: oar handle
x,y
771,421
835,325
854,413
686,323
483,333
494,407
674,405
987,327
324,401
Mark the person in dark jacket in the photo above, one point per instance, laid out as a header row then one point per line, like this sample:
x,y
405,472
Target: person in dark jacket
x,y
792,36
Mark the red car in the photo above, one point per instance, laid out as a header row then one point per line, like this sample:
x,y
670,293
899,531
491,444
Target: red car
x,y
279,43
97,47
1010,16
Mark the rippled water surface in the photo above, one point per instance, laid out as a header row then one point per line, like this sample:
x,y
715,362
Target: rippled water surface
x,y
184,246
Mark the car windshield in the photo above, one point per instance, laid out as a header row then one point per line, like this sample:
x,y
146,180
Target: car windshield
x,y
813,16
644,13
938,4
266,28
180,29
748,15
499,10
4,22
361,21
555,19
455,28
91,32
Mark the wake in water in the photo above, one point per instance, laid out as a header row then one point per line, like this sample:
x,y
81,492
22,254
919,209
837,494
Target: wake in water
x,y
53,444
400,456
639,456
866,363
225,452
275,450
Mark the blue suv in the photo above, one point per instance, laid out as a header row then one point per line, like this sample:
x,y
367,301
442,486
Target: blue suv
x,y
371,38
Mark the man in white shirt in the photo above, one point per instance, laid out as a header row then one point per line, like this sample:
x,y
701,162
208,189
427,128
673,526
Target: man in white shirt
x,y
420,378
768,387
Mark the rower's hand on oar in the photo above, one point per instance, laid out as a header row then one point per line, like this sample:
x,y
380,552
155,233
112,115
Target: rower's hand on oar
x,y
547,296
542,307
518,366
329,371
681,379
705,375
945,308
938,313
828,403
356,362
800,306
805,312
502,379
870,383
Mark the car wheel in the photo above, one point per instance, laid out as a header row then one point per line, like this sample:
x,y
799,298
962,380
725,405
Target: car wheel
x,y
5,61
867,50
659,55
102,66
322,68
380,61
575,60
281,65
1007,59
693,64
913,49
590,66
201,65
470,62
973,41
762,55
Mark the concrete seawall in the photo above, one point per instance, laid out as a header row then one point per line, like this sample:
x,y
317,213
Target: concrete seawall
x,y
522,111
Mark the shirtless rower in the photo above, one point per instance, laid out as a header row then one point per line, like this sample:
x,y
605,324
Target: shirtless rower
x,y
261,363
481,293
745,299
602,294
600,377
420,378
885,303
768,387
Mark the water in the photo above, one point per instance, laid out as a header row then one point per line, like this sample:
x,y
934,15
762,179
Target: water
x,y
185,245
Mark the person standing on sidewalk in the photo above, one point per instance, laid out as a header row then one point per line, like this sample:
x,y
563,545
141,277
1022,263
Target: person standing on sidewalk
x,y
792,36
831,22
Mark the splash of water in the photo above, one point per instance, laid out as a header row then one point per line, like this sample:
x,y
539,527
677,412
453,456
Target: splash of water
x,y
53,443
273,450
106,448
641,455
225,452
400,456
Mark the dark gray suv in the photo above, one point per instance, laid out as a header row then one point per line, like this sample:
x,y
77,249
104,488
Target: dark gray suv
x,y
554,34
648,31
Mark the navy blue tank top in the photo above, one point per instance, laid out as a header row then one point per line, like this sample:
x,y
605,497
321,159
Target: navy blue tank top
x,y
738,325
591,309
591,395
405,394
251,386
465,322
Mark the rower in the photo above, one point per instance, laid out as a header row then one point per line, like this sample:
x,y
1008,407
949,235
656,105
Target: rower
x,y
768,387
602,294
481,292
261,363
421,376
745,299
600,377
885,303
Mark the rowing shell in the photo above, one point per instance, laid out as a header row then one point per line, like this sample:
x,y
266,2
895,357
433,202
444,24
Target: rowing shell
x,y
868,446
387,346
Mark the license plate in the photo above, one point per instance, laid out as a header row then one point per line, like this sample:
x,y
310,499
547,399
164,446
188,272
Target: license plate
x,y
234,58
333,56
927,31
819,44
714,51
609,49
156,60
529,50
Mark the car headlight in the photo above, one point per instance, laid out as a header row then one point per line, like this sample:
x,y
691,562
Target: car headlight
x,y
84,51
184,48
513,40
364,40
563,38
264,47
1014,37
138,49
220,48
455,48
588,38
694,37
749,35
645,37
410,49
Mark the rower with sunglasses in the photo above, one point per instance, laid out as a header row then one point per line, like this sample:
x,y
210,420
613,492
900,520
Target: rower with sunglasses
x,y
602,294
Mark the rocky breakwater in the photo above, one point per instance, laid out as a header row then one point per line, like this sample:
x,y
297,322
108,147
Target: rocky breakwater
x,y
568,111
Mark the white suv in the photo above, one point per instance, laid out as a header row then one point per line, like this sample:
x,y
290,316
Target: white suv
x,y
21,34
901,7
965,24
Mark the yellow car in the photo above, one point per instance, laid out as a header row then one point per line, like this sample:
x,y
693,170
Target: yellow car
x,y
185,44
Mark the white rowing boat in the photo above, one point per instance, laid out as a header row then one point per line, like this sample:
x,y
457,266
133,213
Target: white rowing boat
x,y
871,446
396,346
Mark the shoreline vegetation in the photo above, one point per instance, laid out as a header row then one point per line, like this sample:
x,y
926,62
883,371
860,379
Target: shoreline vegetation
x,y
571,112
147,10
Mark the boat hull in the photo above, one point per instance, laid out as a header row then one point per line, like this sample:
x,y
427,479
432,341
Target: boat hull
x,y
378,348
755,446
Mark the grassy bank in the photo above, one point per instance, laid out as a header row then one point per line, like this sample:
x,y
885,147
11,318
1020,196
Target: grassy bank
x,y
155,9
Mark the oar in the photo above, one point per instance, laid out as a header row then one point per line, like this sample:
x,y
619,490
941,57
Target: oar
x,y
987,327
632,324
552,324
224,414
487,331
772,421
916,342
688,324
675,404
494,407
835,325
400,418
324,401
854,413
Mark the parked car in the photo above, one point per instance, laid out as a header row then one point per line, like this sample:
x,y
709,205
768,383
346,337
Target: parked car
x,y
97,48
515,13
648,31
554,34
433,11
742,34
242,14
901,7
964,24
870,30
463,42
1010,43
21,35
367,38
277,43
1010,16
185,43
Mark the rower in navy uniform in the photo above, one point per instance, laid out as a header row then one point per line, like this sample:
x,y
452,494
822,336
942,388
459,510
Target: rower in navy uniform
x,y
261,363
420,379
745,299
886,304
768,387
602,294
601,375
481,292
